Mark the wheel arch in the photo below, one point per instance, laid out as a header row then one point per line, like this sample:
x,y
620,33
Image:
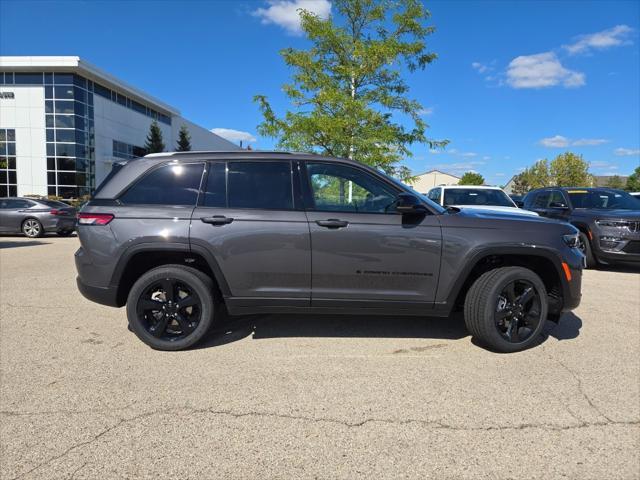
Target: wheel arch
x,y
143,257
544,262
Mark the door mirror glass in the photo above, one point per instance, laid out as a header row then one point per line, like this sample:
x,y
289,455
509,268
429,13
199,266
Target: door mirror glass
x,y
407,203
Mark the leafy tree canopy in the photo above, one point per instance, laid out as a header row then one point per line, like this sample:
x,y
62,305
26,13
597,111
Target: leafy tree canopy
x,y
570,170
347,89
633,182
471,178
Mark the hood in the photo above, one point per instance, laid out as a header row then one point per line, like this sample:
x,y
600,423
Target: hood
x,y
495,208
604,213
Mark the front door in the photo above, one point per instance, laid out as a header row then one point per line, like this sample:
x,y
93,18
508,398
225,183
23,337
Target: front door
x,y
362,249
250,220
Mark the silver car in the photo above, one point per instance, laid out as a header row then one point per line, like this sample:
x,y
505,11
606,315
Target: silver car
x,y
35,217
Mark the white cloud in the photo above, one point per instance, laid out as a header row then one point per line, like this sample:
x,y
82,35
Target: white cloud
x,y
601,165
234,135
433,151
480,67
285,13
626,152
612,37
426,111
499,174
468,154
558,141
458,168
540,71
486,157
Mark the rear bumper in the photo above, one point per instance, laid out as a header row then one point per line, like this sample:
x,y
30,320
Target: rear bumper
x,y
102,295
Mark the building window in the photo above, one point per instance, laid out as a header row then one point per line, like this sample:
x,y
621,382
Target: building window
x,y
127,151
8,174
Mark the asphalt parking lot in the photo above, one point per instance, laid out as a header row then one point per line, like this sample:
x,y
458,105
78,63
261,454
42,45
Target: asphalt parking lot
x,y
309,397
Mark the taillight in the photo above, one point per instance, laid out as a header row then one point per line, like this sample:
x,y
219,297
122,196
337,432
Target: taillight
x,y
94,218
55,212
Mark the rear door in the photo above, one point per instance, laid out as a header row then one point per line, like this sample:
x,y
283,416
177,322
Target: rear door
x,y
251,220
362,249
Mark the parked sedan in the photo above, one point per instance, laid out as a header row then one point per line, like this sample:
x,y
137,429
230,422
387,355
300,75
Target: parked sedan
x,y
35,217
476,197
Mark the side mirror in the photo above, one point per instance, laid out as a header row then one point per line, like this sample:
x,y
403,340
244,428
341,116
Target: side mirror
x,y
558,205
407,203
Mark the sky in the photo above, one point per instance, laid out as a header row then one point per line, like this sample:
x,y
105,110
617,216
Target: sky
x,y
514,82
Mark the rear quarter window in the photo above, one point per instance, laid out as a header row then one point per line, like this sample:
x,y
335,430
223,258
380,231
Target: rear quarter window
x,y
174,184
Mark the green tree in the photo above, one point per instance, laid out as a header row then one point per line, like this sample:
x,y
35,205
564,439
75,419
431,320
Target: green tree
x,y
633,182
520,184
347,88
570,170
184,140
471,178
616,182
154,143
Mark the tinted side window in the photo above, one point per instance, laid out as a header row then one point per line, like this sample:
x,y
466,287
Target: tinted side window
x,y
556,199
339,188
260,185
215,194
167,185
541,200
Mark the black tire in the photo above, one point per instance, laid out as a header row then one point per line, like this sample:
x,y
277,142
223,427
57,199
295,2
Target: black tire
x,y
32,228
64,233
585,247
487,309
168,327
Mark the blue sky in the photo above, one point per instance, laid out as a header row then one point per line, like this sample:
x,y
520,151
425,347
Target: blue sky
x,y
514,81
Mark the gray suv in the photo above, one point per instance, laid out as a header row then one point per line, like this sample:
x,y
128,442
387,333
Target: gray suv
x,y
35,217
181,237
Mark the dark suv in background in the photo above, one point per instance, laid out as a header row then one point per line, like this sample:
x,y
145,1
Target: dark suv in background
x,y
608,220
178,237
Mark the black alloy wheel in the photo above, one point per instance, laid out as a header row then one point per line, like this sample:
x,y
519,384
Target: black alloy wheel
x,y
518,311
169,309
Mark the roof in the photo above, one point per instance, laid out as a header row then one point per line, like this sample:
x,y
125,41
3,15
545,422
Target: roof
x,y
77,65
253,154
437,171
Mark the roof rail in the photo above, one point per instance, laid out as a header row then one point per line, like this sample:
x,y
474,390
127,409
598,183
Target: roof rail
x,y
207,152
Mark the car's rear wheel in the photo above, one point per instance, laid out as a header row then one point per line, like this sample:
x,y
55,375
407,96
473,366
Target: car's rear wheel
x,y
171,307
585,247
506,308
32,228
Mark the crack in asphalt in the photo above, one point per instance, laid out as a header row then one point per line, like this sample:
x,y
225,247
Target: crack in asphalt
x,y
428,423
580,386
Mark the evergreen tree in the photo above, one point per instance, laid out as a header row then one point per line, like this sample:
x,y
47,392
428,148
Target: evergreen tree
x,y
154,143
348,88
184,140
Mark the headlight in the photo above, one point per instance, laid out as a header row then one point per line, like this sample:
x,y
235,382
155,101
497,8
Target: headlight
x,y
572,240
613,223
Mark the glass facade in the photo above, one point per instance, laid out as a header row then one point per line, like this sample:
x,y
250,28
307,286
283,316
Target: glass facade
x,y
70,136
8,174
127,151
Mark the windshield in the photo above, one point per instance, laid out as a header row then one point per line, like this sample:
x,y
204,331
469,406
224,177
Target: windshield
x,y
431,203
476,196
603,199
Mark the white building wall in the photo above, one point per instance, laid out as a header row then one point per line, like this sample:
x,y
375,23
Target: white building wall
x,y
25,114
115,122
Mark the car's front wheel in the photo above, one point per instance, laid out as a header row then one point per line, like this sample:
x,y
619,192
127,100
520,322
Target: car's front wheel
x,y
32,228
585,247
171,307
506,308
